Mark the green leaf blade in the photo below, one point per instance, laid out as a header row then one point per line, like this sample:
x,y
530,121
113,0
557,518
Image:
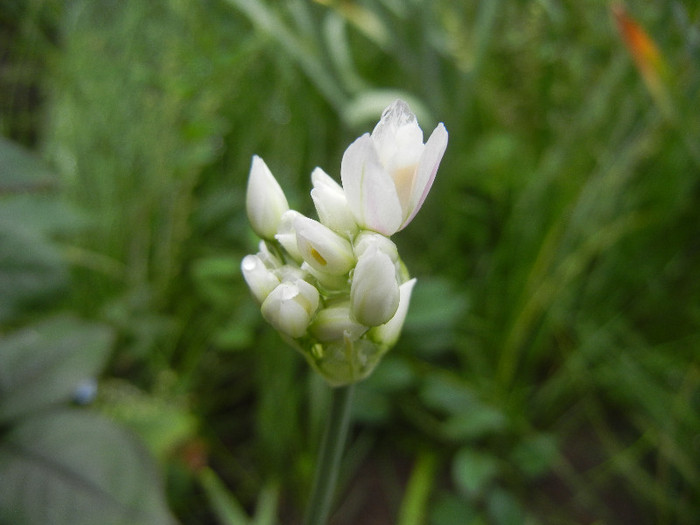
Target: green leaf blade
x,y
74,467
41,365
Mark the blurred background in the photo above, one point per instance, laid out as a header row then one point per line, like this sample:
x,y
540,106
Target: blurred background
x,y
549,369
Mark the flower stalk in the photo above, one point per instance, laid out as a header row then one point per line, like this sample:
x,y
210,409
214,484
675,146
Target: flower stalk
x,y
330,456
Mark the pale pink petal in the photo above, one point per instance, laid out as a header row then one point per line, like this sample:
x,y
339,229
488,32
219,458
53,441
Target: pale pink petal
x,y
370,190
426,170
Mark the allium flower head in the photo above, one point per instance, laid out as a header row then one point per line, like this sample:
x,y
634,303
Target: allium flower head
x,y
336,288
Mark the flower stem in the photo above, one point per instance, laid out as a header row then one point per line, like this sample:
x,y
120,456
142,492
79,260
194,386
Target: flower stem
x,y
329,457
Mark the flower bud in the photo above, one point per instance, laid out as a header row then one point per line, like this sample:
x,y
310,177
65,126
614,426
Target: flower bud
x,y
260,280
368,238
290,307
374,292
387,334
322,248
331,203
335,322
265,200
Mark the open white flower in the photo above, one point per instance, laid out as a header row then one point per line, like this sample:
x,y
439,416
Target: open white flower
x,y
387,175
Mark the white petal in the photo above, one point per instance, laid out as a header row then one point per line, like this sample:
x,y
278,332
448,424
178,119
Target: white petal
x,y
369,188
333,323
387,334
374,293
321,179
352,167
287,235
310,295
366,239
427,169
322,248
331,203
397,136
260,280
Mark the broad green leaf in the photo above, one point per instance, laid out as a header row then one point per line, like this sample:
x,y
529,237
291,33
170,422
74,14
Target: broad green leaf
x,y
30,268
42,364
73,467
472,471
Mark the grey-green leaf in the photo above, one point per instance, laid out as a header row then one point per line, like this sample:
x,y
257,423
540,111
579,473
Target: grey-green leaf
x,y
42,364
31,268
73,467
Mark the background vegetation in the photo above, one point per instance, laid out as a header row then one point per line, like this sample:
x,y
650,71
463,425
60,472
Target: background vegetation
x,y
549,369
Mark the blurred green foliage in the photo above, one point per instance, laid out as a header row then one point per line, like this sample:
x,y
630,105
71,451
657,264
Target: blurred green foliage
x,y
549,368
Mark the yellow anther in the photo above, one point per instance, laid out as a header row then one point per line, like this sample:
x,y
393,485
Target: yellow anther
x,y
318,256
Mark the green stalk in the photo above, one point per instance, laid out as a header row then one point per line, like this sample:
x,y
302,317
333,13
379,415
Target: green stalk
x,y
329,457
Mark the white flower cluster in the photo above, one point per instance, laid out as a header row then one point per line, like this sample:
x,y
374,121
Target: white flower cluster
x,y
335,288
